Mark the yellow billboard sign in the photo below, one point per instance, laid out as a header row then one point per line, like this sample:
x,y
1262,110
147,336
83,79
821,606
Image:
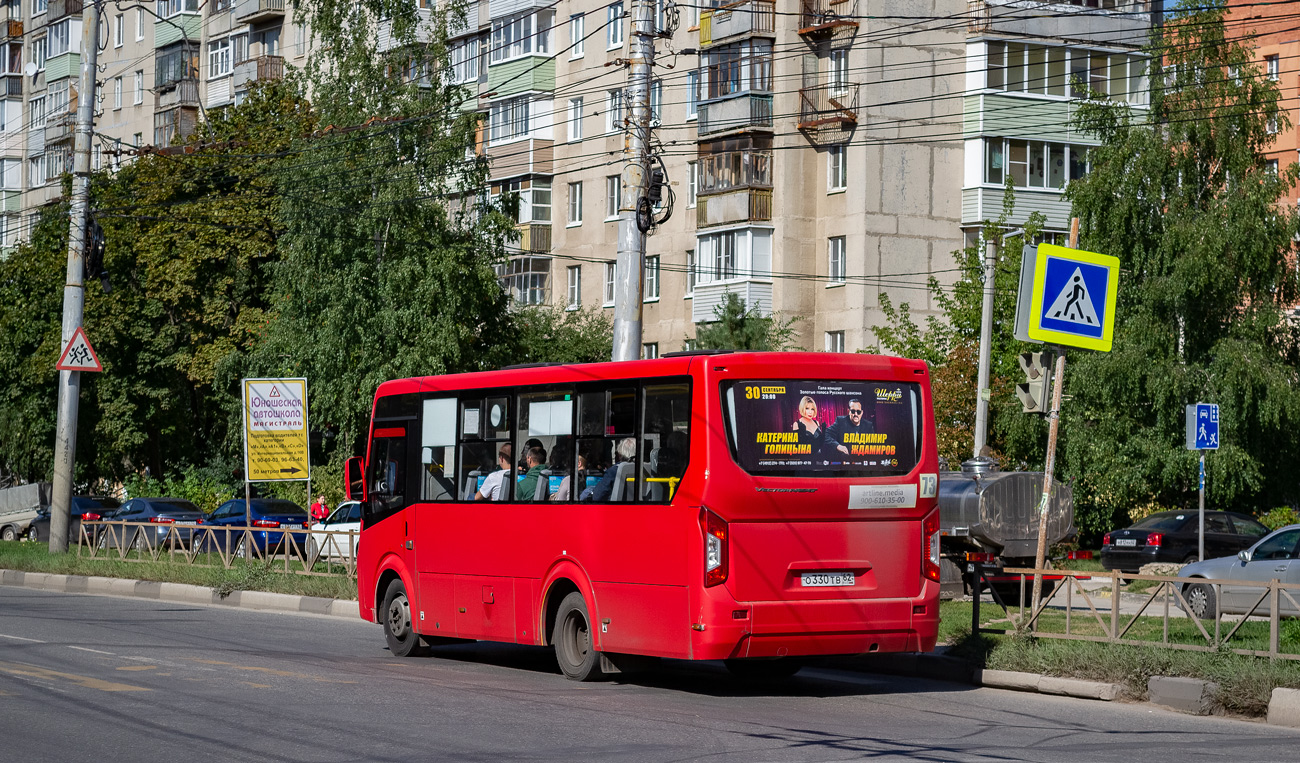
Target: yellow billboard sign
x,y
275,429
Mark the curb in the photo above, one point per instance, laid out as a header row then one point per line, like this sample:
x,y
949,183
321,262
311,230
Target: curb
x,y
181,593
943,668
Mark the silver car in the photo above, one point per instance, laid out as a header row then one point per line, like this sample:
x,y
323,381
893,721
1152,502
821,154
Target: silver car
x,y
1274,557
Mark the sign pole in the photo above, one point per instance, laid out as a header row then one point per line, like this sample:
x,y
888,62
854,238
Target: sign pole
x,y
1201,533
1202,425
1049,467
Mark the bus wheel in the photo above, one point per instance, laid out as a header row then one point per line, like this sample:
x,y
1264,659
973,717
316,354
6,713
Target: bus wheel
x,y
579,660
403,641
763,670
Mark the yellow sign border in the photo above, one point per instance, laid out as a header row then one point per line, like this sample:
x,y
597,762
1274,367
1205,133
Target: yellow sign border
x,y
1040,334
303,466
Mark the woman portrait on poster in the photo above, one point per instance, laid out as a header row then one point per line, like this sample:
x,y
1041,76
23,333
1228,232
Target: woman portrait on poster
x,y
806,426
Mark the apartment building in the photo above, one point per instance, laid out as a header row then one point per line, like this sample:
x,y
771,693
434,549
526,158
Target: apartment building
x,y
1271,30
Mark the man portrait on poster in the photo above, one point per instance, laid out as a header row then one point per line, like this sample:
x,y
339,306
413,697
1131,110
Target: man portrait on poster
x,y
856,422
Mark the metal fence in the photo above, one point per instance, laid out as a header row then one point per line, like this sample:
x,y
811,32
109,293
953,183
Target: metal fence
x,y
300,552
1071,611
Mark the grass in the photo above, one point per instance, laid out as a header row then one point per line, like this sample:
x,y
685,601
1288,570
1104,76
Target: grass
x,y
242,576
1245,683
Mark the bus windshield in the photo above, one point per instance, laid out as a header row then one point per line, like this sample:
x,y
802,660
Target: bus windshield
x,y
824,428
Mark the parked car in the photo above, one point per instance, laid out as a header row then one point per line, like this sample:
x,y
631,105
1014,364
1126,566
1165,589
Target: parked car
x,y
336,544
269,518
167,518
1275,557
89,508
1171,536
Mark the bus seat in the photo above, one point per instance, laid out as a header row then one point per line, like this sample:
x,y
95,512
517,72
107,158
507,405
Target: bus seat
x,y
622,490
471,485
543,490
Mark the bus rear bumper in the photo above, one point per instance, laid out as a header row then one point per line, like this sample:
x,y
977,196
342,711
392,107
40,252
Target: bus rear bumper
x,y
815,628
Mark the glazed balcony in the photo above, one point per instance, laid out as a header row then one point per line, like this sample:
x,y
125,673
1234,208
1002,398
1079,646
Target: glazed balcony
x,y
259,68
738,112
737,20
737,206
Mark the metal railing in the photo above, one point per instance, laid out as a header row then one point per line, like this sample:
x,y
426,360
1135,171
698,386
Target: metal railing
x,y
737,18
296,551
734,113
829,104
824,15
1072,612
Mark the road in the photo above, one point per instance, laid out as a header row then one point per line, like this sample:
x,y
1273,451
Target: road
x,y
85,678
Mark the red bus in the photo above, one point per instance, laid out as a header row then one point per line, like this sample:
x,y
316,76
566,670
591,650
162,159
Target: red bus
x,y
749,507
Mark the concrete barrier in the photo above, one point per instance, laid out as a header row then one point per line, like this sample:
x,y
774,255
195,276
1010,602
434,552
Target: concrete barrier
x,y
1186,695
1284,708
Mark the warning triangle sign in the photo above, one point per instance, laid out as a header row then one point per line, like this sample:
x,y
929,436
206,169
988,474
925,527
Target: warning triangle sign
x,y
79,355
1074,304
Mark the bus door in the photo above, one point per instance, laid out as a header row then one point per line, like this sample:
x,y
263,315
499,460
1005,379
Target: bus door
x,y
437,517
389,476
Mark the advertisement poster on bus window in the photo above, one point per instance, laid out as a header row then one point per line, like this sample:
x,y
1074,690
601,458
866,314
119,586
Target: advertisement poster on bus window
x,y
824,428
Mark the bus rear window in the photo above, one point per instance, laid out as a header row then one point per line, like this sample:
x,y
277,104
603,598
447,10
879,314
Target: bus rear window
x,y
824,428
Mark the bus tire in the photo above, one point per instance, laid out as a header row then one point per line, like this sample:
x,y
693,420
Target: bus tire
x,y
399,631
763,670
574,651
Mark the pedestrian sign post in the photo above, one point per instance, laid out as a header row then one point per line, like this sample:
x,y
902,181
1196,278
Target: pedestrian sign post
x,y
275,430
1202,433
78,355
1072,298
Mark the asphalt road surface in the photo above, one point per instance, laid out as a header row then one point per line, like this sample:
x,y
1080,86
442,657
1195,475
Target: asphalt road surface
x,y
86,678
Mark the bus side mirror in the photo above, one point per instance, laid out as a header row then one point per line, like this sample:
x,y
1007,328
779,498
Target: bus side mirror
x,y
355,480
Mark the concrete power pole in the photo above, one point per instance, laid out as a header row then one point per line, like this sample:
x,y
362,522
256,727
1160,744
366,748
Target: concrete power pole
x,y
630,264
986,342
65,438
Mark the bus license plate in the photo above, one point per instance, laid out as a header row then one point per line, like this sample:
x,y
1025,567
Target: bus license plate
x,y
825,579
1126,541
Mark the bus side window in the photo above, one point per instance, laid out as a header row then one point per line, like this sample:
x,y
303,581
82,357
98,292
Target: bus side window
x,y
666,441
437,450
388,471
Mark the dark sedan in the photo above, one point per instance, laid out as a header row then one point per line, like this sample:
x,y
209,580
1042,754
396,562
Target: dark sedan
x,y
89,508
166,517
1171,537
269,518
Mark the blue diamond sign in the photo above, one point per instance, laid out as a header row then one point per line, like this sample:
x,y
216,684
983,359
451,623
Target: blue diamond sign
x,y
1203,426
1071,295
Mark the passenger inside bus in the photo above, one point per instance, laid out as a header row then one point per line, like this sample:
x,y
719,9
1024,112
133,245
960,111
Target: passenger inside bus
x,y
533,486
560,466
611,485
495,487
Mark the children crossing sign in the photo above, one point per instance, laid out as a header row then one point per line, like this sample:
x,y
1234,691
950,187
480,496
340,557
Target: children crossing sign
x,y
1067,297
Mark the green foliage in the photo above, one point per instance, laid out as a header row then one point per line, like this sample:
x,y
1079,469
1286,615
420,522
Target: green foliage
x,y
204,486
1181,193
736,327
556,335
1280,517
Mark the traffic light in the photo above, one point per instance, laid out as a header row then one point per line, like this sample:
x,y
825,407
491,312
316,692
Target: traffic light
x,y
1038,375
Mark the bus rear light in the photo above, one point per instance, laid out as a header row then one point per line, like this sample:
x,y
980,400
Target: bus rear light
x,y
930,546
1155,539
715,548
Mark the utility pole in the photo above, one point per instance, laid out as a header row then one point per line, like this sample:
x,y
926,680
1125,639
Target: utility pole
x,y
65,438
986,340
633,207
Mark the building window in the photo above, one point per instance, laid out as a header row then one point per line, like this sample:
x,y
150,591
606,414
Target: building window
x,y
464,61
119,30
1066,72
521,35
139,88
836,171
39,7
612,187
238,47
175,63
169,8
651,290
1270,166
575,204
737,68
649,350
138,140
692,183
835,262
575,119
525,279
609,285
508,120
692,94
575,287
835,341
613,110
219,58
690,272
1271,67
734,254
1270,125
139,24
36,171
614,26
38,112
40,51
1033,163
577,35
58,99
838,75
117,92
60,38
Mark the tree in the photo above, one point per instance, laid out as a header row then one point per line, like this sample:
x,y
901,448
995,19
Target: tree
x,y
1182,194
736,327
389,244
557,335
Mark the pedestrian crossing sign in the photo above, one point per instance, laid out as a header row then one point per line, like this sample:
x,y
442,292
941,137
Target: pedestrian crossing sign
x,y
1073,298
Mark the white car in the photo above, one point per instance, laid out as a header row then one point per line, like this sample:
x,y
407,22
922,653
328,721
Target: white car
x,y
337,536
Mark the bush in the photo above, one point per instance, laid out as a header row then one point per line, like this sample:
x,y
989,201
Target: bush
x,y
204,486
1280,517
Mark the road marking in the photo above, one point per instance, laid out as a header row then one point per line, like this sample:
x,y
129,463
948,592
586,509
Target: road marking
x,y
138,667
33,671
20,638
96,651
271,671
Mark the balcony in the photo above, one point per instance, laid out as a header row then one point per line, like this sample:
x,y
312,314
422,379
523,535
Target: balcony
x,y
730,170
255,11
834,105
14,28
13,86
708,296
534,237
744,205
828,18
260,68
181,92
174,125
735,113
58,9
58,128
737,19
526,279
